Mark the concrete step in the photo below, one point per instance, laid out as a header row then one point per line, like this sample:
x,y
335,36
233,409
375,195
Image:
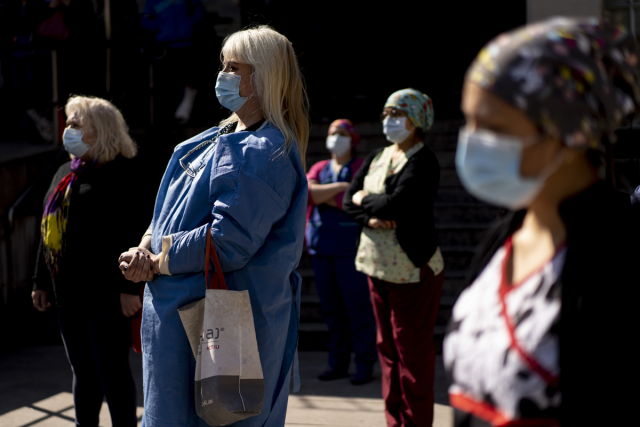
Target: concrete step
x,y
310,313
455,194
446,158
321,327
457,259
447,300
457,249
444,141
452,287
449,178
305,272
454,281
309,300
315,336
452,235
313,327
470,213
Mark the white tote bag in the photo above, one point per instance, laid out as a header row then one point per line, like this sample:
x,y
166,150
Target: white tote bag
x,y
229,385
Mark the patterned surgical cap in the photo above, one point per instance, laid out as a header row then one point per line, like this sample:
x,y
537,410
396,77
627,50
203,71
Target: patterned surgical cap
x,y
576,79
416,104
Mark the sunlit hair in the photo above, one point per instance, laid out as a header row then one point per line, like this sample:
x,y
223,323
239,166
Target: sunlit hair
x,y
106,123
277,80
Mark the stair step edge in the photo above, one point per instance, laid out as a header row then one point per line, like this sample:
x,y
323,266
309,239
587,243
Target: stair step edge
x,y
313,327
462,225
458,248
445,300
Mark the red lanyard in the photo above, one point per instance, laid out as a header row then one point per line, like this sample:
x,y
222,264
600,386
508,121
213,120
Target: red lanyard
x,y
504,290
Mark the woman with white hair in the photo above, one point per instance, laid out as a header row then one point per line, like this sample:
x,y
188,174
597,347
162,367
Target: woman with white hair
x,y
80,237
244,182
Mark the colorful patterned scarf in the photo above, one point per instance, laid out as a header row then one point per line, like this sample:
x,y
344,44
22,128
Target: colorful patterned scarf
x,y
56,214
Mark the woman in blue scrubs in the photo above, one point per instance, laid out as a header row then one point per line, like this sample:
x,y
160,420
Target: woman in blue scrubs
x,y
332,239
244,181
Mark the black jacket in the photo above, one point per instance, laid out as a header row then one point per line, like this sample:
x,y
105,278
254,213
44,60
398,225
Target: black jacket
x,y
599,370
408,200
105,219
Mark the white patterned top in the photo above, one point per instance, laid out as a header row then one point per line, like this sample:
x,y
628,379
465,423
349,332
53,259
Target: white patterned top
x,y
501,351
379,253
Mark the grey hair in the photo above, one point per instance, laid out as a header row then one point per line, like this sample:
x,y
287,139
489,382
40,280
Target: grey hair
x,y
106,123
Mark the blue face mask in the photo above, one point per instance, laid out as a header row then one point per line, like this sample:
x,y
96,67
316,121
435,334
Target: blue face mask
x,y
228,91
488,165
72,141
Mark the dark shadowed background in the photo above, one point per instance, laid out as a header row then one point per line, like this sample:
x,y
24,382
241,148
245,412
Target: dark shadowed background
x,y
353,55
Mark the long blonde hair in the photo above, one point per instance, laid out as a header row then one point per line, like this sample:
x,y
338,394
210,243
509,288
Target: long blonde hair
x,y
106,123
277,80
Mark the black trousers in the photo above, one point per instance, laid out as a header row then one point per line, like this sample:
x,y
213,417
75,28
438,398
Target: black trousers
x,y
97,342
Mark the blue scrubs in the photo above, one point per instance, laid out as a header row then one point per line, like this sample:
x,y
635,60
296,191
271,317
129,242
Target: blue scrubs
x,y
253,195
332,238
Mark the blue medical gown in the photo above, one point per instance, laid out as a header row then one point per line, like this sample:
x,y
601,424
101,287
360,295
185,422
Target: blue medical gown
x,y
253,195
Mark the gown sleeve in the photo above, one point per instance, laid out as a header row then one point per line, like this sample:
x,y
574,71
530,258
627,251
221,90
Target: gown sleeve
x,y
244,210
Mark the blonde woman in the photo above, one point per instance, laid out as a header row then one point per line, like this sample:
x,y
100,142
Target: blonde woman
x,y
80,237
244,182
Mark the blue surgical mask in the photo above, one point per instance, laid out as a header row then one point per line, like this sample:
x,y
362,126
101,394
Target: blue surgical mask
x,y
488,165
395,129
228,91
72,141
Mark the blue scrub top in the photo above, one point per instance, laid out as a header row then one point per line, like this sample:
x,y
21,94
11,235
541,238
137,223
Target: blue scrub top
x,y
330,230
253,195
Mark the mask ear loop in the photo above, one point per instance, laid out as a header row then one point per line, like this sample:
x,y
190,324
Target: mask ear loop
x,y
550,169
250,78
252,93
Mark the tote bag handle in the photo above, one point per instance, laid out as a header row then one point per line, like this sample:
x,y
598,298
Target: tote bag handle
x,y
218,279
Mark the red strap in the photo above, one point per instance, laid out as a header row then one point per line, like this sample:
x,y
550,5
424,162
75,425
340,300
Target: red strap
x,y
549,378
211,253
492,415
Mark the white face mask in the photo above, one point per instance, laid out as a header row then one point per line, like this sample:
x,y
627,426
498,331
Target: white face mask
x,y
73,143
395,129
338,144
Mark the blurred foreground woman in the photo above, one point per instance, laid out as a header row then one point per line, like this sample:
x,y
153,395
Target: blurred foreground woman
x,y
244,183
531,340
81,235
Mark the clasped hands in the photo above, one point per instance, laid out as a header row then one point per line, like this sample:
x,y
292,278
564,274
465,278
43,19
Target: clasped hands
x,y
139,264
373,221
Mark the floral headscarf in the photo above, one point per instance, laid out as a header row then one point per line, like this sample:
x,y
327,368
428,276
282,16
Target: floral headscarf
x,y
576,79
416,104
349,127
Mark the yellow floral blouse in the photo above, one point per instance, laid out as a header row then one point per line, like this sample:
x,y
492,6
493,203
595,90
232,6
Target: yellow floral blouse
x,y
379,253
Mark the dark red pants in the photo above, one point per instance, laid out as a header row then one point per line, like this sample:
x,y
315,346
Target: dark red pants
x,y
405,316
